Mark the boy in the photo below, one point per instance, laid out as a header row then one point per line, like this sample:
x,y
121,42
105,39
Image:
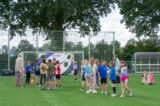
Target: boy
x,y
75,68
103,77
28,69
43,71
113,79
50,73
58,73
37,71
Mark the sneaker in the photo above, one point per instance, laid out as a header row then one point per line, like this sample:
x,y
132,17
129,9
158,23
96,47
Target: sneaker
x,y
113,95
130,94
122,96
105,93
94,91
87,91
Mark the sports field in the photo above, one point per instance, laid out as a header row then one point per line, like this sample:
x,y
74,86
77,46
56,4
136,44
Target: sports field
x,y
71,95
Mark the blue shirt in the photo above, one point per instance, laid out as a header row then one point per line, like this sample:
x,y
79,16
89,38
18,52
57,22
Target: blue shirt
x,y
113,74
103,71
28,68
87,69
37,67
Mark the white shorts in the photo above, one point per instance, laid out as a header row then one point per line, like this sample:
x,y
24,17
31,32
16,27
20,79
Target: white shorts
x,y
88,75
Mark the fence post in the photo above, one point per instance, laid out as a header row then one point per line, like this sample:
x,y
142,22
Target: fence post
x,y
64,41
37,43
9,65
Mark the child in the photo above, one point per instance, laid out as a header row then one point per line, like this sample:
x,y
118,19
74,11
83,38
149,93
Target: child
x,y
151,79
113,79
97,76
50,72
28,69
144,78
37,71
43,71
58,73
87,70
124,79
75,68
93,76
83,75
103,77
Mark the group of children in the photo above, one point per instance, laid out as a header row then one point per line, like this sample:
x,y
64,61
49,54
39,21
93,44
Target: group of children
x,y
47,74
148,78
91,70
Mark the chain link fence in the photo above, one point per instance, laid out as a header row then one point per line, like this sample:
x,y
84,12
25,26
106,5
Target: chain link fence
x,y
99,45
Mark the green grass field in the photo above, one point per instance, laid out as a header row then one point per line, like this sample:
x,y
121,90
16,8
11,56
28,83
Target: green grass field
x,y
71,95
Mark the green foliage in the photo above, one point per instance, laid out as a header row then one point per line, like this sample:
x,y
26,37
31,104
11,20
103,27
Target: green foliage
x,y
141,16
24,45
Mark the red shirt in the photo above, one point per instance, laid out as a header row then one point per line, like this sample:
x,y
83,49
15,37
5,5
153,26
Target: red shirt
x,y
58,69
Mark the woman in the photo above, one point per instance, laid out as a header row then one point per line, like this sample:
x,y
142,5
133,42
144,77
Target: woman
x,y
19,69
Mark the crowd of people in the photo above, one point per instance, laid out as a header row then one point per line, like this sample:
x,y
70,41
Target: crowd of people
x,y
47,73
94,72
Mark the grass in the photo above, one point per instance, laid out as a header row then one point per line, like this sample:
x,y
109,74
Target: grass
x,y
71,95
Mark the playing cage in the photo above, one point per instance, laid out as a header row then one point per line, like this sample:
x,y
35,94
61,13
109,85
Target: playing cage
x,y
146,61
99,45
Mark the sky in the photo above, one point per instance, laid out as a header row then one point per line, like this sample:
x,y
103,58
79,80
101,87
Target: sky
x,y
109,23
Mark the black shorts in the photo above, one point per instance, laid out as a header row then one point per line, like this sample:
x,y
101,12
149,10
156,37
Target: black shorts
x,y
103,80
58,77
83,77
113,81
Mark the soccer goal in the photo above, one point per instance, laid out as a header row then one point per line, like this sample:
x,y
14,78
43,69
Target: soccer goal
x,y
66,59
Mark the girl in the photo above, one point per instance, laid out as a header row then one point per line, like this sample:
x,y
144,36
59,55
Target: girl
x,y
144,78
93,76
124,79
151,79
97,76
103,77
113,78
87,70
83,75
58,73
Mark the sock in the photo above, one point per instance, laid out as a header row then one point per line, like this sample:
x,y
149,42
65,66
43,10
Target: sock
x,y
114,90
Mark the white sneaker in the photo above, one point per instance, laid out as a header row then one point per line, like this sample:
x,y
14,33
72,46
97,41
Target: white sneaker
x,y
87,91
113,95
105,93
130,94
94,91
122,96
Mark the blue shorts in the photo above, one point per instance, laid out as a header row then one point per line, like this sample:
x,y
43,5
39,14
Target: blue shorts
x,y
37,73
83,77
51,78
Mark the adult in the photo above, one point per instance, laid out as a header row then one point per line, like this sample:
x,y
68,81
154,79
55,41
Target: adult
x,y
117,64
19,69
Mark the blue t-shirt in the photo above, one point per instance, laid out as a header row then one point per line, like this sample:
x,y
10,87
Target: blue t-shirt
x,y
28,68
103,71
87,69
37,67
113,74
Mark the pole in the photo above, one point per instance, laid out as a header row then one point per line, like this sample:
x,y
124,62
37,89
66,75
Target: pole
x,y
9,65
63,42
113,45
89,47
37,43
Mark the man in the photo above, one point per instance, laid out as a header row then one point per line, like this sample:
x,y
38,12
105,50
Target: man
x,y
19,69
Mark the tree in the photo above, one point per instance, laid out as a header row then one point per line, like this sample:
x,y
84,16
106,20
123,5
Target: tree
x,y
25,45
141,16
56,15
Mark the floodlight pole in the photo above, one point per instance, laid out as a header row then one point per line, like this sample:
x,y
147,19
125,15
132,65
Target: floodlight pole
x,y
89,46
63,42
37,43
9,50
113,45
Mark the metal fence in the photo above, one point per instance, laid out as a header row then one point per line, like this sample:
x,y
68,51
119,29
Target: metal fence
x,y
99,45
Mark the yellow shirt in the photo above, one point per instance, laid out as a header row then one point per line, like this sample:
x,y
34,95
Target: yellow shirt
x,y
43,68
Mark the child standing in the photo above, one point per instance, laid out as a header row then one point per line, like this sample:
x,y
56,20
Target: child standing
x,y
83,75
37,71
43,71
103,77
93,76
87,70
28,69
113,79
124,79
58,73
144,78
75,69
